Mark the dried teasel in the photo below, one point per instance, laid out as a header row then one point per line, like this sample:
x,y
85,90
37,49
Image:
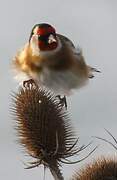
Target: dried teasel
x,y
102,169
44,129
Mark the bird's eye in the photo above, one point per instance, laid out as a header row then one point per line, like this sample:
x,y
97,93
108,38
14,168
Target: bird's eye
x,y
42,38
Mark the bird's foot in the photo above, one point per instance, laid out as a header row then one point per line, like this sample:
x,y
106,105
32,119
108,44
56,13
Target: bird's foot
x,y
29,83
62,100
91,76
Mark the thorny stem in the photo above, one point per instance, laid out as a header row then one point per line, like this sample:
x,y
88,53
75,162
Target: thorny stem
x,y
57,175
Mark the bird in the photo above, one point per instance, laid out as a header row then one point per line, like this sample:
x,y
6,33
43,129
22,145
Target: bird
x,y
52,61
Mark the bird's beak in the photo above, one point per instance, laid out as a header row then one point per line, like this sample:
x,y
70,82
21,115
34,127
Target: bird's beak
x,y
51,39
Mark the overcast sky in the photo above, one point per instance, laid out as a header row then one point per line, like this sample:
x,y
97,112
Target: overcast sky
x,y
92,24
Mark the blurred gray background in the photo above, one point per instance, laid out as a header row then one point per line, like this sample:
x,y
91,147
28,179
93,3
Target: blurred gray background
x,y
93,25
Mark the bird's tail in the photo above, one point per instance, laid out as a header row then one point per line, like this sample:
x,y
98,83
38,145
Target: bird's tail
x,y
92,70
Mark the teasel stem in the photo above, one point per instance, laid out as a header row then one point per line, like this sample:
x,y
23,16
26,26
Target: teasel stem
x,y
55,171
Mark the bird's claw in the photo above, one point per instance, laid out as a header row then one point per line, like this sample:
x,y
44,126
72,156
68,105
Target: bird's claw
x,y
29,83
91,76
62,101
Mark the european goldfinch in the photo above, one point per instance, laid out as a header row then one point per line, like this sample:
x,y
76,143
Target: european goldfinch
x,y
52,60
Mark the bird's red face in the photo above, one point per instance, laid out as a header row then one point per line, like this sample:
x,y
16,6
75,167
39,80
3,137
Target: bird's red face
x,y
46,36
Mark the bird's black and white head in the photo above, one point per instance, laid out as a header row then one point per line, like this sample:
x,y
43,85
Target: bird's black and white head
x,y
43,38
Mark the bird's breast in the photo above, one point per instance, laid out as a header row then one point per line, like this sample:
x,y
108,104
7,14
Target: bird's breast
x,y
60,82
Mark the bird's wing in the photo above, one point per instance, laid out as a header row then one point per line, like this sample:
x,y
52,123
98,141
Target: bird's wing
x,y
77,49
65,39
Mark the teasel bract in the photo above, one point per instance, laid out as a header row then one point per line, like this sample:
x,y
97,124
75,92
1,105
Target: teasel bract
x,y
44,129
107,141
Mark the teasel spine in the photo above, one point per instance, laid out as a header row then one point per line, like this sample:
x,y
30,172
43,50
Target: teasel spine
x,y
107,141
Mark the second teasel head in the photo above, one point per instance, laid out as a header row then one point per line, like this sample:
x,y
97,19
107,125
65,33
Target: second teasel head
x,y
100,169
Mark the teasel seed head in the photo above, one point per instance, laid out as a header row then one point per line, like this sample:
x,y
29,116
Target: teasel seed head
x,y
102,169
44,129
